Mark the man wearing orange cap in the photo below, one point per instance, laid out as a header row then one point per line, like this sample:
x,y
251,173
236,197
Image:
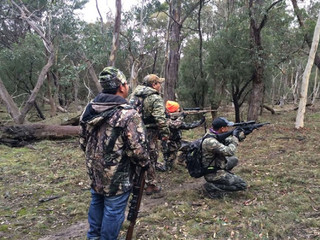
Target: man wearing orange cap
x,y
176,124
147,100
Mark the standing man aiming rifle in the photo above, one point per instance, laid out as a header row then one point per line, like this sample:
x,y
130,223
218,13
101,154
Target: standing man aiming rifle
x,y
114,141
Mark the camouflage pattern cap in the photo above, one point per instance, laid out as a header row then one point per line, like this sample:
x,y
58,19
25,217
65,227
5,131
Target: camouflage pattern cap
x,y
111,78
152,78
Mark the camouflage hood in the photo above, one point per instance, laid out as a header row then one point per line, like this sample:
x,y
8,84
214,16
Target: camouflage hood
x,y
144,91
93,113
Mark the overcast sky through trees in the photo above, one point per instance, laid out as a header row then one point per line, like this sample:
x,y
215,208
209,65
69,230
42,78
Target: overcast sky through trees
x,y
90,14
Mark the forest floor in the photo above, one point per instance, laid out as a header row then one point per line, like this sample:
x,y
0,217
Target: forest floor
x,y
45,190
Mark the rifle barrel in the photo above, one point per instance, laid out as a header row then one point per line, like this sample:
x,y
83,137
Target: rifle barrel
x,y
192,112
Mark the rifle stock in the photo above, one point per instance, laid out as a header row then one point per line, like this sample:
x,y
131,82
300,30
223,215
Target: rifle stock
x,y
135,201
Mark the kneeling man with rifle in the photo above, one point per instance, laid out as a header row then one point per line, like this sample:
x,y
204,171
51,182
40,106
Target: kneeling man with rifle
x,y
218,154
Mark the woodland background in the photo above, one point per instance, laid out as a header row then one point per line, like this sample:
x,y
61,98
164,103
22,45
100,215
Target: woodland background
x,y
211,52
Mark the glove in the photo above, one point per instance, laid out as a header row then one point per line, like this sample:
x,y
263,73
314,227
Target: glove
x,y
239,133
202,120
146,167
165,139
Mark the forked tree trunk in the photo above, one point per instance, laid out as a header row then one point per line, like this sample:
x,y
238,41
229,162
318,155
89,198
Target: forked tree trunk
x,y
172,67
257,52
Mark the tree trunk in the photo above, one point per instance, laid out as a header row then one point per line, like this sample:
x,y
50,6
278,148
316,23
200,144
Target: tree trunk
x,y
137,63
315,88
12,108
116,34
306,36
172,67
92,72
21,135
174,52
76,82
53,107
257,52
306,75
42,76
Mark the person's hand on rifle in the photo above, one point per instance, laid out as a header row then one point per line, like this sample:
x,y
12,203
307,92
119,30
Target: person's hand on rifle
x,y
239,133
183,115
202,120
146,167
164,138
247,131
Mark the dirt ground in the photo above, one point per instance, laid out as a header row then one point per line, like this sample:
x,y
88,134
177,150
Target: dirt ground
x,y
79,229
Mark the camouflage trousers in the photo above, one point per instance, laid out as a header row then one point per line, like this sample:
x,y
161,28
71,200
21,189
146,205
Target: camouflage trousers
x,y
173,151
153,149
224,181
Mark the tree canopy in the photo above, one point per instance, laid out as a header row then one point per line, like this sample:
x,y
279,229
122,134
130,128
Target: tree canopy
x,y
211,52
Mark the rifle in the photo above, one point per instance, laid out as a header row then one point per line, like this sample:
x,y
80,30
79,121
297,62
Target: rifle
x,y
246,127
135,201
188,111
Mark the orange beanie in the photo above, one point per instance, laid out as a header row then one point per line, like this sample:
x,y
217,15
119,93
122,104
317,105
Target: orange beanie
x,y
172,106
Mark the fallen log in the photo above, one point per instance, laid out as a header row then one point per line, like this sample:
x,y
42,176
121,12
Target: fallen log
x,y
21,135
269,109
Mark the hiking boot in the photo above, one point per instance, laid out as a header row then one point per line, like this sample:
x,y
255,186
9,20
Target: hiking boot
x,y
210,191
152,189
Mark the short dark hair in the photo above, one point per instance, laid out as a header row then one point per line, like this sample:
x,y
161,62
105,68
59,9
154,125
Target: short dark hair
x,y
221,122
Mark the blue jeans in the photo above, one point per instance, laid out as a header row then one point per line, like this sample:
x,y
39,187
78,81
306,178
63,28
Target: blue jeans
x,y
106,215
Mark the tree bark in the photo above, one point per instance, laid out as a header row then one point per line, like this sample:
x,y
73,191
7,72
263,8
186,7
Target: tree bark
x,y
174,54
306,75
21,135
315,88
306,36
116,34
172,67
12,108
53,107
92,72
257,52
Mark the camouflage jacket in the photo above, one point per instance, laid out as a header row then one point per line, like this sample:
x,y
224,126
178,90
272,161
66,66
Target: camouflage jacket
x,y
153,113
113,138
214,153
176,124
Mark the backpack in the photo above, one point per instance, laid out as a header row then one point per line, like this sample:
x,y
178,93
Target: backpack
x,y
137,103
194,159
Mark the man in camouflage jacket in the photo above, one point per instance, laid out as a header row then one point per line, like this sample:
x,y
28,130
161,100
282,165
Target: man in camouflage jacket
x,y
221,157
176,124
154,118
113,139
